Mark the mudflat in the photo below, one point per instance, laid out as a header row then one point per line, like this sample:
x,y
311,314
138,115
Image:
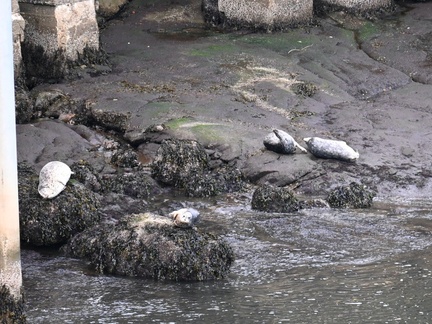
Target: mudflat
x,y
367,82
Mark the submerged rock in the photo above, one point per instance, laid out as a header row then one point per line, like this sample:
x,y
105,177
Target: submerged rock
x,y
274,199
48,222
352,196
150,246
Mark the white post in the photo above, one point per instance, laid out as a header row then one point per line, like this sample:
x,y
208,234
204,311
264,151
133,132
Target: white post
x,y
10,263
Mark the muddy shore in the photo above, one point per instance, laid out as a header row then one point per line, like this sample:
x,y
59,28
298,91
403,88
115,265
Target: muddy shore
x,y
366,82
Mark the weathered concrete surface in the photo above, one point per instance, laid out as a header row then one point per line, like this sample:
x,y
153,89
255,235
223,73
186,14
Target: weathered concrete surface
x,y
356,5
18,26
259,14
229,90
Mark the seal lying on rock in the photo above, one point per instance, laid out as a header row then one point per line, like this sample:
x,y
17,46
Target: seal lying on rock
x,y
185,217
331,149
281,142
53,179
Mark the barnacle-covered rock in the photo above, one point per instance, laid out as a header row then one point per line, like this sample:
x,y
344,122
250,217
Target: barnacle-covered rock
x,y
86,174
136,184
177,160
48,222
150,246
352,196
208,184
125,158
274,199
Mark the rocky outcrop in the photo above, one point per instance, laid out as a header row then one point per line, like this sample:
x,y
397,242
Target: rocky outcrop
x,y
47,222
274,199
150,246
352,196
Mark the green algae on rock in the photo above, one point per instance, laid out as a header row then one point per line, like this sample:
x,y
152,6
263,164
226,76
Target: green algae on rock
x,y
50,222
352,196
150,246
274,199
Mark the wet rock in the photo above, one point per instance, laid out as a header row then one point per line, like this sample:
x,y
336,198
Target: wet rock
x,y
86,174
352,196
109,8
111,120
313,203
125,159
176,161
49,222
304,89
12,309
208,184
274,199
150,246
136,184
153,133
23,105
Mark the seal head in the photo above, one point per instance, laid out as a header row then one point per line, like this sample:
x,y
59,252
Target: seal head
x,y
185,217
53,179
281,142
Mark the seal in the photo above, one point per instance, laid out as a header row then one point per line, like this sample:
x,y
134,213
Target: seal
x,y
281,142
331,149
185,217
53,178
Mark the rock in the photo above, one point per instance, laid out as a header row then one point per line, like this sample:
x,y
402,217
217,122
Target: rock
x,y
86,174
150,246
136,184
48,222
351,196
177,160
125,158
208,184
274,199
109,8
111,120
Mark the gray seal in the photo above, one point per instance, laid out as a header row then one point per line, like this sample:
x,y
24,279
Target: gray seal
x,y
331,149
281,142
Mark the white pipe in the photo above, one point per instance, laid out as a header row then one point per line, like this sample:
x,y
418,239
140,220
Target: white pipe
x,y
10,263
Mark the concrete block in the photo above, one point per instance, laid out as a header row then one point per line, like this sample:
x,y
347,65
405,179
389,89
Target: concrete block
x,y
68,26
259,14
357,6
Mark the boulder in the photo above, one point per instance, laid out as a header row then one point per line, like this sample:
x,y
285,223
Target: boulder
x,y
352,196
45,222
150,246
274,200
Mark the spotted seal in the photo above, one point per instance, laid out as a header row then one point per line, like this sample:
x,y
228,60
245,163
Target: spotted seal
x,y
331,149
281,142
53,178
185,217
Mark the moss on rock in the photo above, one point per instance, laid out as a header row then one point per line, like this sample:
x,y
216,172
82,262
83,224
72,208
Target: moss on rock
x,y
148,245
177,160
352,196
274,199
46,222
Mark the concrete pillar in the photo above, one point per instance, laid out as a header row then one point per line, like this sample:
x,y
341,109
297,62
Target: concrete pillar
x,y
259,14
57,32
10,265
357,6
18,26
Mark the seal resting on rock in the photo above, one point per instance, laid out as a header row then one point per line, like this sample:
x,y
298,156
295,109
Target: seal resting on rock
x,y
53,179
281,142
185,217
331,149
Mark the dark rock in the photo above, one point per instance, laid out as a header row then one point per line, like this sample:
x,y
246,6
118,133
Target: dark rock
x,y
314,203
274,199
111,120
211,12
12,309
209,184
150,246
352,196
136,184
53,221
177,160
85,173
125,159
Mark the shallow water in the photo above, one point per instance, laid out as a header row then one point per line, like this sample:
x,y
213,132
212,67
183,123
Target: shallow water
x,y
315,266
